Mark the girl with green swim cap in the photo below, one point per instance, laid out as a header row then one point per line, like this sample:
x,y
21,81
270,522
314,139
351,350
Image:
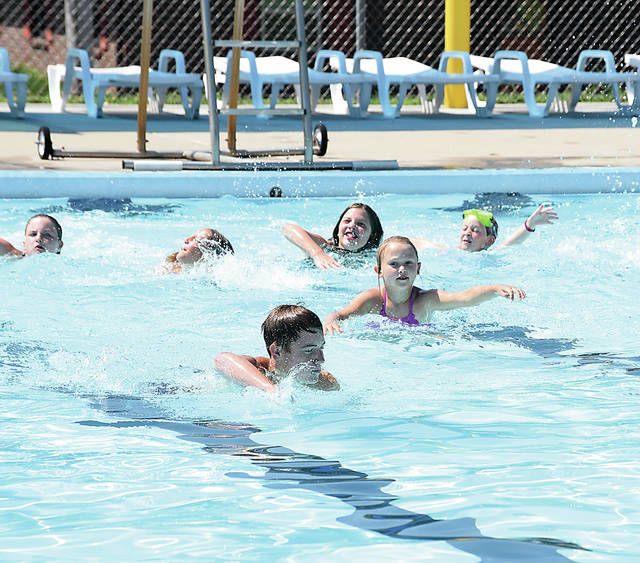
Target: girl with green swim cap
x,y
480,229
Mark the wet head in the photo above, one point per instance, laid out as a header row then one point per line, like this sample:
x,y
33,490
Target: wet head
x,y
294,339
42,234
302,357
475,235
202,243
357,229
398,263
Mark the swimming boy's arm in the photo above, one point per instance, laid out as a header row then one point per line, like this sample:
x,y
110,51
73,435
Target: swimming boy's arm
x,y
362,304
311,244
544,215
445,300
421,243
245,369
6,248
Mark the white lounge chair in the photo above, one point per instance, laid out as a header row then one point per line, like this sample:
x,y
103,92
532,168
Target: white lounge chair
x,y
514,67
15,85
279,71
95,82
405,72
632,59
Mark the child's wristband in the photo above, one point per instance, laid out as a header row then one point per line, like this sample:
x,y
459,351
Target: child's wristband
x,y
528,228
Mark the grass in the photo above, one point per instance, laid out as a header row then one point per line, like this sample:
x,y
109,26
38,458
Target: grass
x,y
38,92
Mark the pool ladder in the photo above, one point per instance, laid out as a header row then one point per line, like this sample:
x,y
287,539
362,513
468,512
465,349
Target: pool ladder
x,y
233,111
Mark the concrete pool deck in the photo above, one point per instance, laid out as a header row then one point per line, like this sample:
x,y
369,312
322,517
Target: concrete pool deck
x,y
593,136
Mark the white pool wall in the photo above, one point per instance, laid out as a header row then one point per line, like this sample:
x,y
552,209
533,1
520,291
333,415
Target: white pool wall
x,y
204,184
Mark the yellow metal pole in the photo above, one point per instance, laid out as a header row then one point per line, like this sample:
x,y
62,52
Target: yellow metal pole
x,y
145,58
457,19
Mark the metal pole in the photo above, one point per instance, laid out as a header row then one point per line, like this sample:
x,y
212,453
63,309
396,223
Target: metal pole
x,y
145,56
304,85
360,24
214,132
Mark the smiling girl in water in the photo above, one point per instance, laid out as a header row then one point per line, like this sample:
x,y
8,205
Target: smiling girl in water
x,y
357,229
42,234
399,300
202,243
480,229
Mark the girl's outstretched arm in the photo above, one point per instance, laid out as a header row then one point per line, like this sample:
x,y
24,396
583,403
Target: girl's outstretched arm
x,y
422,243
311,244
544,215
243,369
362,304
7,248
445,301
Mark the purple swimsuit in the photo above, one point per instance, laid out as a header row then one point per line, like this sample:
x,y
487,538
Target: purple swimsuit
x,y
409,319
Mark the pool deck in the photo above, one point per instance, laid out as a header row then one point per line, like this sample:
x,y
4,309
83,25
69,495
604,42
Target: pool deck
x,y
593,136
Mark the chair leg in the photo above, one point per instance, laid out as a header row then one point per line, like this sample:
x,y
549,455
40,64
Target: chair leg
x,y
55,94
615,90
276,88
402,95
340,106
424,103
576,89
388,110
631,94
95,110
66,91
21,98
11,97
491,91
439,98
365,98
196,98
160,98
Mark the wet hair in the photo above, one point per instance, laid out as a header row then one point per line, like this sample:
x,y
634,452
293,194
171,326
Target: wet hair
x,y
285,323
216,244
492,231
52,219
376,227
390,240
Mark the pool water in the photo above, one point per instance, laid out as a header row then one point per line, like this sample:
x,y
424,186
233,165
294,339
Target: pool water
x,y
508,431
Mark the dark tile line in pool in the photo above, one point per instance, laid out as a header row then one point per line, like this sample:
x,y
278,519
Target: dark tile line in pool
x,y
286,468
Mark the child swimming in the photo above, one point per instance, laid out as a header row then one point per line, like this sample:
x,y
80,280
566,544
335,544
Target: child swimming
x,y
201,244
295,343
42,234
480,230
357,229
398,299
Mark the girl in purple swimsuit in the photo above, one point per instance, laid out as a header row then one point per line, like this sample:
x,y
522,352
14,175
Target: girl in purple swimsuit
x,y
399,300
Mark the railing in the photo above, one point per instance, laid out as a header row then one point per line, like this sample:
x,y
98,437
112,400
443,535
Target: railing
x,y
39,32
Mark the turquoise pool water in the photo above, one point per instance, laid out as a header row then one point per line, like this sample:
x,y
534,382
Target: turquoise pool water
x,y
509,431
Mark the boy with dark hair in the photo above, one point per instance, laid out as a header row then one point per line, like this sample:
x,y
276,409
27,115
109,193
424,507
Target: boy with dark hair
x,y
294,339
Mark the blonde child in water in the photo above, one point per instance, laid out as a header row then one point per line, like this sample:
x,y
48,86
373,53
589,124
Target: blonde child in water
x,y
398,299
200,245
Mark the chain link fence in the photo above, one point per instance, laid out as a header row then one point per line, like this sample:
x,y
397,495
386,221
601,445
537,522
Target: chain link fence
x,y
38,33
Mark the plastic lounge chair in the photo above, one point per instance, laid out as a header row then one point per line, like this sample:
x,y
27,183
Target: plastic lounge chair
x,y
13,82
405,72
632,59
609,76
95,82
515,67
279,71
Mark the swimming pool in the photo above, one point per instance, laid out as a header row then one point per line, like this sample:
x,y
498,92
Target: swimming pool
x,y
512,423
